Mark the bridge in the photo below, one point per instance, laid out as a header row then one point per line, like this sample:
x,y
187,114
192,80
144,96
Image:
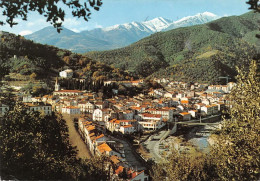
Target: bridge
x,y
200,121
196,122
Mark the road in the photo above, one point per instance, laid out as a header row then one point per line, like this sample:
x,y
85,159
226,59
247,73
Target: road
x,y
153,145
130,157
75,138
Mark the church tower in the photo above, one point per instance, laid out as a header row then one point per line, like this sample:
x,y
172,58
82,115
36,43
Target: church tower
x,y
57,85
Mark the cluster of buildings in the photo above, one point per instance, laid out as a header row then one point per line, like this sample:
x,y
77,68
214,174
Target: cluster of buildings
x,y
100,144
177,101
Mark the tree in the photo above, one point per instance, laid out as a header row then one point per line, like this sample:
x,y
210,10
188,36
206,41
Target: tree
x,y
52,10
181,166
7,97
236,152
254,5
35,146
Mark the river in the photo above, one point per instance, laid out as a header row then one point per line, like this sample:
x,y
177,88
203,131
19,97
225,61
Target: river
x,y
198,136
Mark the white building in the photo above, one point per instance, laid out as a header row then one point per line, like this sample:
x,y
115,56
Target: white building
x,y
27,98
127,129
231,85
223,88
169,95
151,121
68,93
98,115
71,110
105,149
193,113
66,73
115,125
185,116
41,107
166,112
208,110
181,95
86,107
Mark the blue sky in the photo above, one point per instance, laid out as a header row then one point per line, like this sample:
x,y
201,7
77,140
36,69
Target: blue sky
x,y
123,11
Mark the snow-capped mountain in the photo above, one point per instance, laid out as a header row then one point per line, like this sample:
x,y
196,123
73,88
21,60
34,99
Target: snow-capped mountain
x,y
154,25
162,24
118,36
200,18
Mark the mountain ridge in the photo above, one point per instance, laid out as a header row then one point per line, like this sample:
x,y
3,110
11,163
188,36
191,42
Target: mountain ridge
x,y
197,53
112,37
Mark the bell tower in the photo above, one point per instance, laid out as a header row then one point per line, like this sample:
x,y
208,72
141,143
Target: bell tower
x,y
57,85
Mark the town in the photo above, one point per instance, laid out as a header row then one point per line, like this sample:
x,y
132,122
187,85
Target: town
x,y
131,131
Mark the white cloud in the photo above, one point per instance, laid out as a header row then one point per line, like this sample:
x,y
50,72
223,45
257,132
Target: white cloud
x,y
30,24
39,22
75,30
25,32
79,29
71,22
98,26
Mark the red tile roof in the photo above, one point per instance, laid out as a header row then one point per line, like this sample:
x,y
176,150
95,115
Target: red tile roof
x,y
152,115
184,113
128,126
119,170
103,148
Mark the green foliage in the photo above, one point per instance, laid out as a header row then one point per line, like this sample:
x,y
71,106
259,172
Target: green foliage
x,y
7,97
36,89
181,167
236,154
25,57
254,5
37,147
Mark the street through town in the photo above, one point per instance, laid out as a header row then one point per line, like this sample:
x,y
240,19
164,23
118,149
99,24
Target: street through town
x,y
75,138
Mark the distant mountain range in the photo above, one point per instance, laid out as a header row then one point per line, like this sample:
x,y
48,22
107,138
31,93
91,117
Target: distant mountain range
x,y
113,37
200,53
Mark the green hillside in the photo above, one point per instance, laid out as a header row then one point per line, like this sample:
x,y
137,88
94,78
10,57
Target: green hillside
x,y
25,58
197,53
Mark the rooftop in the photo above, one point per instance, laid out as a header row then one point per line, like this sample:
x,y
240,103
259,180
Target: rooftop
x,y
104,148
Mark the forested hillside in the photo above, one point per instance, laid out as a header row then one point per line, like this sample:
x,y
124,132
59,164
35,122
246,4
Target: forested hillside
x,y
197,53
26,58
